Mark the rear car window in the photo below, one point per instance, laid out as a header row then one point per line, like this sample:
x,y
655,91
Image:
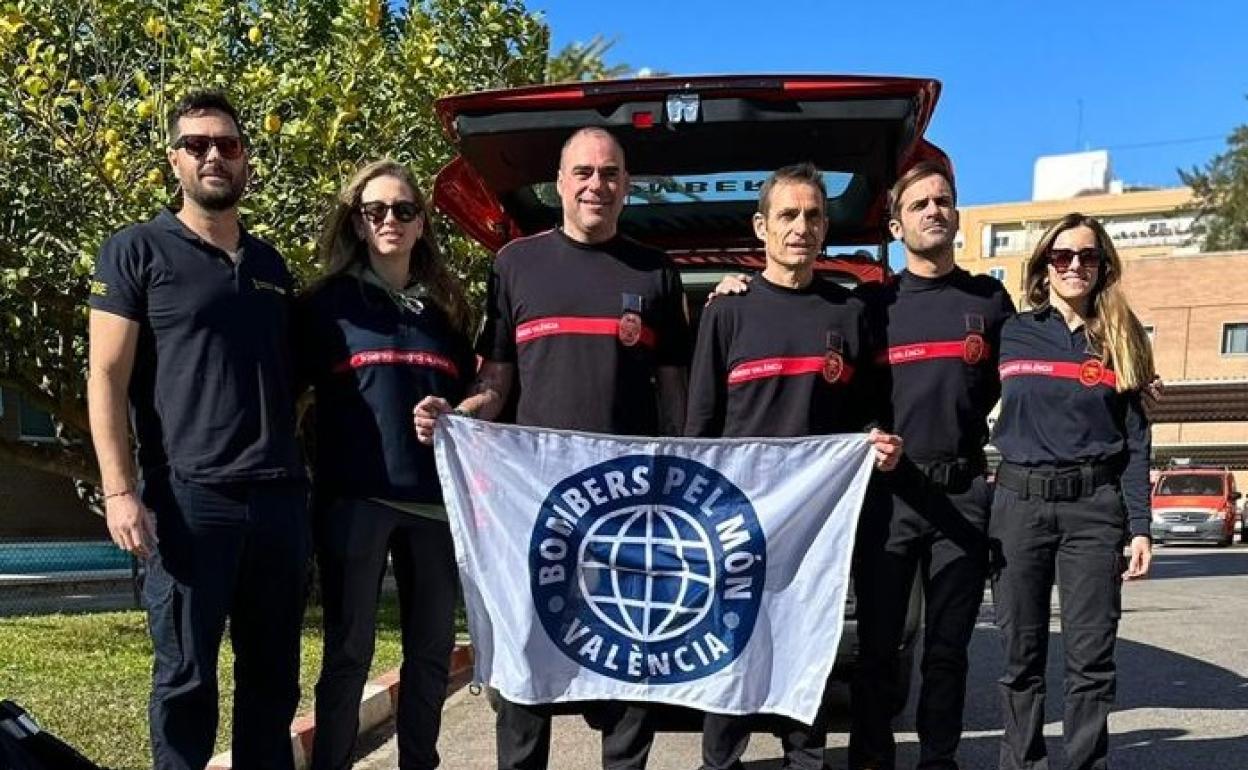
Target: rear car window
x,y
720,202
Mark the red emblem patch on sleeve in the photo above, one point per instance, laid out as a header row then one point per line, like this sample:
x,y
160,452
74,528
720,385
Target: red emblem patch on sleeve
x,y
1091,372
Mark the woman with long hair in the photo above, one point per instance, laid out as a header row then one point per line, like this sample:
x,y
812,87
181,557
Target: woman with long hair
x,y
383,327
1072,487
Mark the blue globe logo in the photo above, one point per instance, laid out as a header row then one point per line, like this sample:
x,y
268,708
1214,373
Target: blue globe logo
x,y
648,569
657,553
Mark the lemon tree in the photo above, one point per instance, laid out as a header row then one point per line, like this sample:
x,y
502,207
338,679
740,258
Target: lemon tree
x,y
321,85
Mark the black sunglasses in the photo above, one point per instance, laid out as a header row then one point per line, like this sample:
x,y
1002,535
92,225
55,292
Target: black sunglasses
x,y
198,145
1090,257
375,211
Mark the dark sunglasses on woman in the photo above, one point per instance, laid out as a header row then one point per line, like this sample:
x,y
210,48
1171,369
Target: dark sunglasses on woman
x,y
375,211
1060,259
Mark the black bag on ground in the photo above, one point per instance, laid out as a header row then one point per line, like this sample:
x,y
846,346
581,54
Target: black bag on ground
x,y
24,746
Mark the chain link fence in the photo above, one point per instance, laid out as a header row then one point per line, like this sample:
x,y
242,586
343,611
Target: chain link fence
x,y
49,576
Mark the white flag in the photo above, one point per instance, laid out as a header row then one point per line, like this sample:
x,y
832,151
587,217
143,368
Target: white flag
x,y
709,573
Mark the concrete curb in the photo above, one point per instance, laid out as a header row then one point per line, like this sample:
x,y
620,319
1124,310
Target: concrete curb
x,y
378,703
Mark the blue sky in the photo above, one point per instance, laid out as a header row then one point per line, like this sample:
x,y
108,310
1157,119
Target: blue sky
x,y
1161,83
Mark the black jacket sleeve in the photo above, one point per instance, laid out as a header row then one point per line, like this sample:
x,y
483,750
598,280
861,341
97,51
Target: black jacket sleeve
x,y
1135,484
708,377
870,386
497,340
673,318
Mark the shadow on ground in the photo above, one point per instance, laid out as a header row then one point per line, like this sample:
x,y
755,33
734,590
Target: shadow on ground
x,y
1148,678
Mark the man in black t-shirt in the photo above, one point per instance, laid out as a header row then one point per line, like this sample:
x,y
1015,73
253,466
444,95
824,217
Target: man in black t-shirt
x,y
591,326
789,358
189,325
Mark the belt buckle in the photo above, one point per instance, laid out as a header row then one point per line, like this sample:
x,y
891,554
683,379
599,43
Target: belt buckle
x,y
1046,486
1066,487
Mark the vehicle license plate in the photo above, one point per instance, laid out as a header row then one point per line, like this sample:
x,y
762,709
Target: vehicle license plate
x,y
1183,528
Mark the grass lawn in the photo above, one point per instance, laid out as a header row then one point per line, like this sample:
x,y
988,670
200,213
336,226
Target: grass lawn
x,y
86,677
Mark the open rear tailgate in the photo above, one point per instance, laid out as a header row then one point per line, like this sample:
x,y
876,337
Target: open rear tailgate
x,y
697,148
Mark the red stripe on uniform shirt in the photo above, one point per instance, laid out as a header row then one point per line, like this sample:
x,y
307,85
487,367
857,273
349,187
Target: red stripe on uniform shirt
x,y
764,368
554,326
925,351
392,357
1065,370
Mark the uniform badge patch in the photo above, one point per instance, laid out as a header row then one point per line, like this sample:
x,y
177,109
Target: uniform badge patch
x,y
630,329
833,366
630,320
973,348
1091,372
648,569
833,359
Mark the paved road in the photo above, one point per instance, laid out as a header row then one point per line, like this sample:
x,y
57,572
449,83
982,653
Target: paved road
x,y
1183,688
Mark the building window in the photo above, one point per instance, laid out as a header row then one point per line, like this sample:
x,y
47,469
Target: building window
x,y
34,424
998,273
1235,339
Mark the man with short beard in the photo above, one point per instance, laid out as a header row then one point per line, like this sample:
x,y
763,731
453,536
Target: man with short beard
x,y
188,324
940,328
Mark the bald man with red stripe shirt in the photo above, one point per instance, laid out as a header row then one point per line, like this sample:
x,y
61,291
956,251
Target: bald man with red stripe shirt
x,y
591,326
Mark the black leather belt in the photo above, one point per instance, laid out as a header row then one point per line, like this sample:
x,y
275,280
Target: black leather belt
x,y
953,474
1053,483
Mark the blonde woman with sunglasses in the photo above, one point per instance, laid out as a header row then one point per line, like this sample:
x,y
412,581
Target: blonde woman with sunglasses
x,y
1072,488
384,327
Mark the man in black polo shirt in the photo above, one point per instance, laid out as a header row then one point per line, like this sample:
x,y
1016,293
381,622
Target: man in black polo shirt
x,y
789,358
592,327
188,324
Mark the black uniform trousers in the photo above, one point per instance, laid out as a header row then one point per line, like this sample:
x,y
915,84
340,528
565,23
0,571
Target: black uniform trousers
x,y
909,523
523,733
237,551
1080,541
726,737
353,538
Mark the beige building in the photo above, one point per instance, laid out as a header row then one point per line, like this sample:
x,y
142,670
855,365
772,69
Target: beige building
x,y
1194,305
